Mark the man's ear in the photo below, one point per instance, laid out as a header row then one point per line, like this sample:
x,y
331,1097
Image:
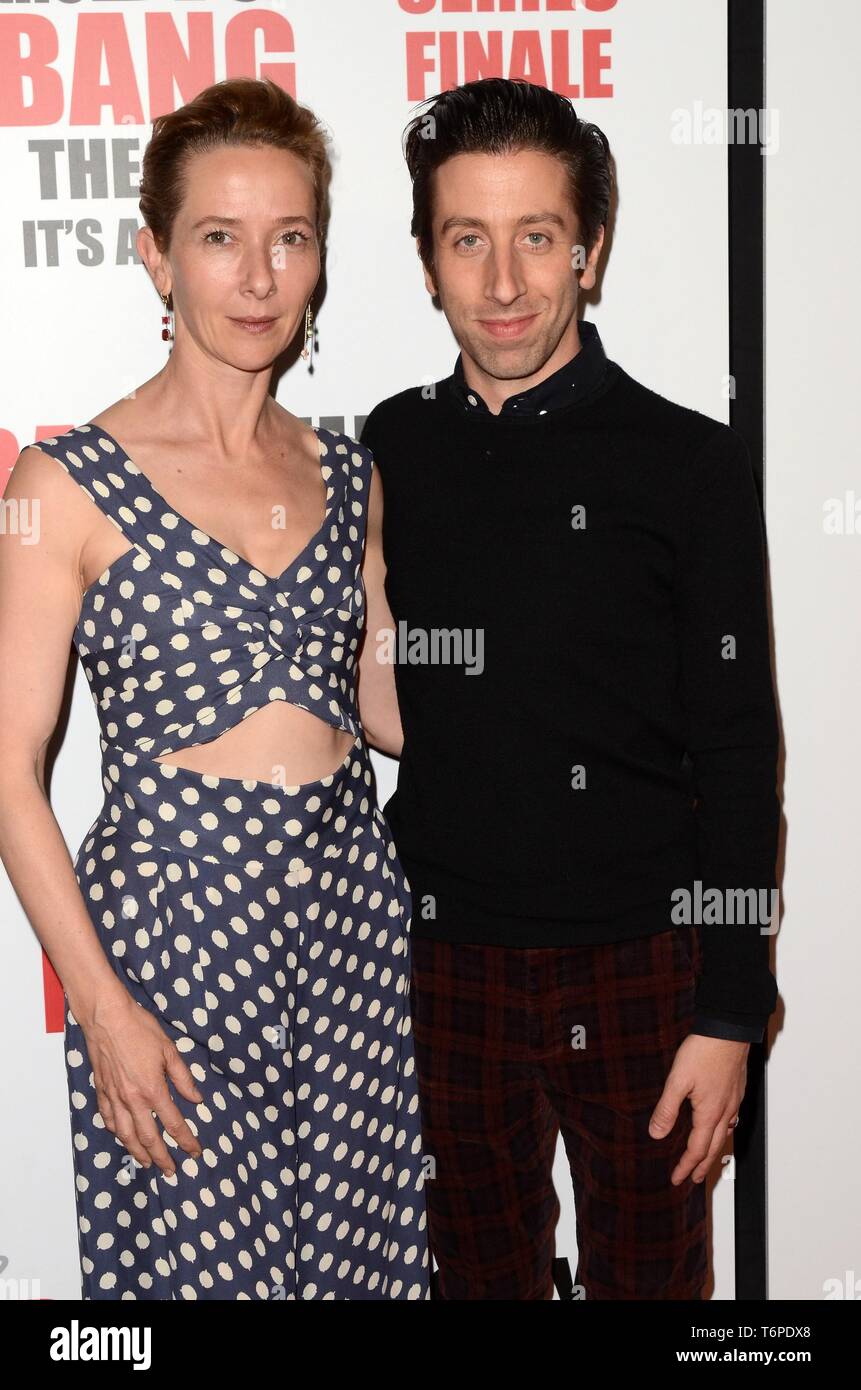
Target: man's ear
x,y
590,270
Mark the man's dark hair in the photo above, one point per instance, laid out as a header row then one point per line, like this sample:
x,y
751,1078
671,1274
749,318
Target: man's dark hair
x,y
499,115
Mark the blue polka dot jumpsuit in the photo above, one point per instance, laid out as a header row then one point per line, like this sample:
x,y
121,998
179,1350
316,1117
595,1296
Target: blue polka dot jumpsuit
x,y
265,926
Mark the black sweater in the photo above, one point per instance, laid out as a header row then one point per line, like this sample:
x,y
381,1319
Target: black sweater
x,y
616,741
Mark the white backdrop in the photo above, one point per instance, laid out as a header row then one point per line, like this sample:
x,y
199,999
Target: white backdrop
x,y
812,471
82,328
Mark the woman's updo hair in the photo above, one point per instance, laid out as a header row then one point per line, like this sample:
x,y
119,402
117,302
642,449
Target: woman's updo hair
x,y
238,111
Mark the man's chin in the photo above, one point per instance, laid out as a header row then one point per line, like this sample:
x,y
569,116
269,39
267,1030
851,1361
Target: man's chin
x,y
508,363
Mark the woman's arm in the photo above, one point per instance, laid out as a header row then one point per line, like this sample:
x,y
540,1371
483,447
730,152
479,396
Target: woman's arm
x,y
40,595
378,700
39,603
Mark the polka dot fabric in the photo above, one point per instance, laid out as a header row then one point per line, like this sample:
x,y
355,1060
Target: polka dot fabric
x,y
266,927
181,638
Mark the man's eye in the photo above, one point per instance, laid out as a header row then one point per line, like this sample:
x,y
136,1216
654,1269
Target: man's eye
x,y
219,231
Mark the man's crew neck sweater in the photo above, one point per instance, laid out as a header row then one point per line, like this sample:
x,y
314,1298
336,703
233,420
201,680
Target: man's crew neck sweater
x,y
583,672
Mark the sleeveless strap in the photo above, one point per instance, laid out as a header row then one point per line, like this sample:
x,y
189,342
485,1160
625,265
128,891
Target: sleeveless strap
x,y
357,488
114,483
106,475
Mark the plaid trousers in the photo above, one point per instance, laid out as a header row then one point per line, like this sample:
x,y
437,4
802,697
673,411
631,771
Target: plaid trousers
x,y
514,1044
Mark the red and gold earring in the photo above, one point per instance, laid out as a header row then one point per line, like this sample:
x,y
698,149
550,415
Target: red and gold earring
x,y
166,326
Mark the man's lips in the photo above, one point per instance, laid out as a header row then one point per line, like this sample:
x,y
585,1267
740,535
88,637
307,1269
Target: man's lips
x,y
507,328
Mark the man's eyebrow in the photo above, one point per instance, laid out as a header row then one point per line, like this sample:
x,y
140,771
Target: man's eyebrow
x,y
521,221
237,221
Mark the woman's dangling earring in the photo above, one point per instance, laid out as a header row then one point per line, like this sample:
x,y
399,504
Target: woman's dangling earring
x,y
309,334
166,326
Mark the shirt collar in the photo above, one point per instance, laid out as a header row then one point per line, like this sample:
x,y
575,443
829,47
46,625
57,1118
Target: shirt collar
x,y
575,379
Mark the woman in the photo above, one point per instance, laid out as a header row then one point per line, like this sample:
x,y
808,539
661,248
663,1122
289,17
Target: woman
x,y
236,921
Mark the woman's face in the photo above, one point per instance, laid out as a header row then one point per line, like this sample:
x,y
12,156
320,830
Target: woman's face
x,y
244,245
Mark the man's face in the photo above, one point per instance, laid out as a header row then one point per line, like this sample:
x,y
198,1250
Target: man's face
x,y
505,264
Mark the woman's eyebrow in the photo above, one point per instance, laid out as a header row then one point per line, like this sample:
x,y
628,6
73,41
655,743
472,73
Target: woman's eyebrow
x,y
237,221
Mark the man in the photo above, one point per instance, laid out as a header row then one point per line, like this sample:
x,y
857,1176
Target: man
x,y
610,758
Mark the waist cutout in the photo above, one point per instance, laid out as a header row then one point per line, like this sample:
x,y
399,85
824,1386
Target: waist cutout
x,y
258,825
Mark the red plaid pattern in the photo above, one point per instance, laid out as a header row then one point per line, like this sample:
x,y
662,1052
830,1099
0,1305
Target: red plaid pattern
x,y
499,1077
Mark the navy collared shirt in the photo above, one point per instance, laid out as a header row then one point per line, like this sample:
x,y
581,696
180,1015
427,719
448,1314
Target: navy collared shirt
x,y
576,378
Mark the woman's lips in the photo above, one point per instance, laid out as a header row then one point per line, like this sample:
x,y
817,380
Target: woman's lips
x,y
254,325
507,328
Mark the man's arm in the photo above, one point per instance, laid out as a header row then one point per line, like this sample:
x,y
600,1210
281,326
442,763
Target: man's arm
x,y
709,1027
732,733
377,693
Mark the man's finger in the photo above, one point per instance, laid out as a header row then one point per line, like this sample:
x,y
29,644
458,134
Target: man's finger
x,y
699,1142
718,1141
666,1112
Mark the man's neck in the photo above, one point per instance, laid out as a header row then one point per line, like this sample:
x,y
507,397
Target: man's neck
x,y
495,392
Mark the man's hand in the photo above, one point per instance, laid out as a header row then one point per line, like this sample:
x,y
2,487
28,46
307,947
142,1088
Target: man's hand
x,y
713,1073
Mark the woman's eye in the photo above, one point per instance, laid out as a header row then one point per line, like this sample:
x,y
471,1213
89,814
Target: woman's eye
x,y
220,232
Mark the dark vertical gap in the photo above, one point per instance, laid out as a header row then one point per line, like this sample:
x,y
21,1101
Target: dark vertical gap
x,y
746,180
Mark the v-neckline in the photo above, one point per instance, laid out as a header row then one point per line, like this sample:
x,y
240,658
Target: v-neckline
x,y
201,530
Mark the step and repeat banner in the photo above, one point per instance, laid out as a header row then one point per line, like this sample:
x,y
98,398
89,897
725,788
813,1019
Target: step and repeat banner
x,y
80,84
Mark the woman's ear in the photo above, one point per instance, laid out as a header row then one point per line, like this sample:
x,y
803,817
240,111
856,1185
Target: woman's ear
x,y
154,260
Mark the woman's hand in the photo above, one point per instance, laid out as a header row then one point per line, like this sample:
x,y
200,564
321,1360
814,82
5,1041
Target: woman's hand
x,y
130,1055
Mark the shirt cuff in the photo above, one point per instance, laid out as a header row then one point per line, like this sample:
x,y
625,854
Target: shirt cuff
x,y
707,1026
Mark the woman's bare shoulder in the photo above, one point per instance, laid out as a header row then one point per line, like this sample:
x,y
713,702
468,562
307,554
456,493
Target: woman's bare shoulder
x,y
36,472
39,479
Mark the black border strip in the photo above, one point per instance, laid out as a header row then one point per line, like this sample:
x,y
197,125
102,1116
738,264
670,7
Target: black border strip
x,y
746,225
